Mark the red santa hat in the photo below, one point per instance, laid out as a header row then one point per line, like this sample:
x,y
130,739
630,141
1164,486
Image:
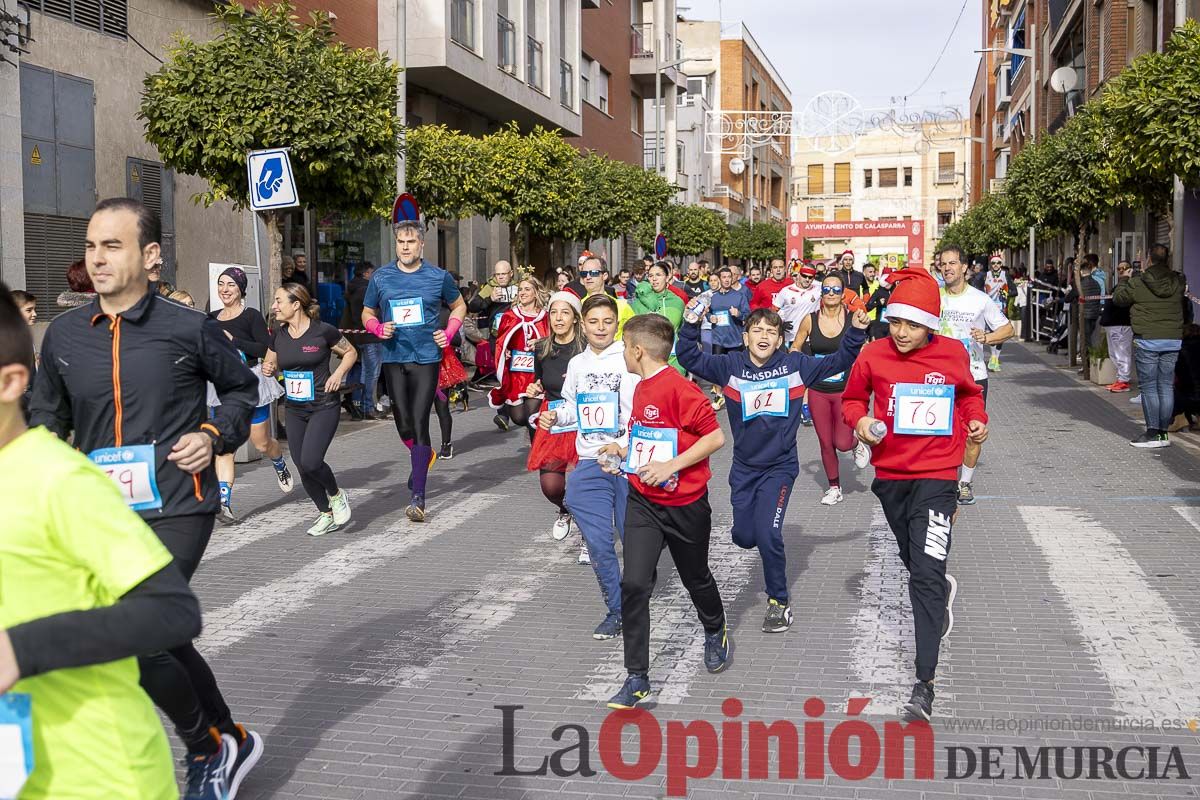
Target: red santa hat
x,y
885,276
846,253
916,298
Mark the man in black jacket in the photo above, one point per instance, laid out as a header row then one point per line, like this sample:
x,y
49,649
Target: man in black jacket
x,y
369,347
126,374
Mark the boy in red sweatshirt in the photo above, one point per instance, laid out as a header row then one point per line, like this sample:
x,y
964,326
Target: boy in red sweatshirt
x,y
673,430
929,403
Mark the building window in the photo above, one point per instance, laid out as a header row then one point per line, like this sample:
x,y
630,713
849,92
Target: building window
x,y
566,84
603,89
945,173
887,178
908,176
816,179
533,46
1103,11
635,115
506,40
105,16
1016,40
868,177
945,215
462,22
816,213
586,68
841,214
841,178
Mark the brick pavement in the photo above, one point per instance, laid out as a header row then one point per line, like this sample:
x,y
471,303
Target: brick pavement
x,y
373,659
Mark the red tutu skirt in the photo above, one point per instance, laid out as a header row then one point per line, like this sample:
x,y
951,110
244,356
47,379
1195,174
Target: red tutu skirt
x,y
451,372
511,390
553,452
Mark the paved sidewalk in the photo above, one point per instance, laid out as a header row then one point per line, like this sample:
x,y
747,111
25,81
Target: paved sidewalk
x,y
374,659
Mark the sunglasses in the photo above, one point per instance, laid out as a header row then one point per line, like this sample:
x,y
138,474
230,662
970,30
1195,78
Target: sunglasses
x,y
590,273
997,263
831,290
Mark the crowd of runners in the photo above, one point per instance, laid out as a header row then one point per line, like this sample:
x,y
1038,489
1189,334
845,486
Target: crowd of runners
x,y
617,381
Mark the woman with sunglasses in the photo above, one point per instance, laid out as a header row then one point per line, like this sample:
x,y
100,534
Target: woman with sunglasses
x,y
820,334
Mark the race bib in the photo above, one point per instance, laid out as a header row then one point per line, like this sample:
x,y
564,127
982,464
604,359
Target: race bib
x,y
298,386
722,318
496,323
650,444
923,409
132,469
408,313
16,743
522,361
841,376
552,408
599,412
768,398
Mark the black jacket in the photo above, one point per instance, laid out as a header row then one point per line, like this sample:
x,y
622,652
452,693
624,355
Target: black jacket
x,y
139,378
356,293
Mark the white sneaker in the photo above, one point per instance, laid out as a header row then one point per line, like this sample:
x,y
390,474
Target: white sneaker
x,y
323,525
832,496
339,504
562,527
584,558
1137,398
862,455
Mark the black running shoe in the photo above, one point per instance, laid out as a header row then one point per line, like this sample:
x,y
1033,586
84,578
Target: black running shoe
x,y
716,649
609,627
779,617
501,423
635,690
920,705
447,451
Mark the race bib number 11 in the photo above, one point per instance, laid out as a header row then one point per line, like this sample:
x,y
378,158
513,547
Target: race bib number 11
x,y
132,469
923,409
298,386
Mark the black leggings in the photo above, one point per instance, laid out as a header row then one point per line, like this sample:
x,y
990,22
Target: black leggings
x,y
412,387
441,405
521,412
179,680
554,487
309,434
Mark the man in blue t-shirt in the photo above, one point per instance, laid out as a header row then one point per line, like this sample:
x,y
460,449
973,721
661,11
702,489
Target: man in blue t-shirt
x,y
408,293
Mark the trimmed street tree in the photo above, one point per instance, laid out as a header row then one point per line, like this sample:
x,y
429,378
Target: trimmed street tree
x,y
440,167
616,197
760,242
690,230
269,81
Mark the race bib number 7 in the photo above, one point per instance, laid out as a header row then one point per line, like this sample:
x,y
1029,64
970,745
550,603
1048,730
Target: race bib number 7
x,y
408,312
132,469
650,444
923,409
599,412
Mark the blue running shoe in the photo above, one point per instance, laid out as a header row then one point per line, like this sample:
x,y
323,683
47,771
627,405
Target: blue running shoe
x,y
248,755
635,690
610,628
208,773
716,649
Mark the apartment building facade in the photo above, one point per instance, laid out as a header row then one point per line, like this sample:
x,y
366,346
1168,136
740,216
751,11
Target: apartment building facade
x,y
887,175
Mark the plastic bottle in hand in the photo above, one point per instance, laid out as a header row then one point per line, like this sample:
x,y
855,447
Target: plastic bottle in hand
x,y
609,462
671,483
878,429
698,305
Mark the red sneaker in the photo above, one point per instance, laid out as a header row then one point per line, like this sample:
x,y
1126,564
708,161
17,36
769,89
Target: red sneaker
x,y
1119,386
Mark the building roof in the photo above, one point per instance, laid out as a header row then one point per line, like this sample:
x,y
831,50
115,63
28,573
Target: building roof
x,y
739,31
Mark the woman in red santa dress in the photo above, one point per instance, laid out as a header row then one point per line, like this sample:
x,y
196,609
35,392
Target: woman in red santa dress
x,y
521,327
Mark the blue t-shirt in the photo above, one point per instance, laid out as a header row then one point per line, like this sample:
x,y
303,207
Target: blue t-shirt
x,y
412,300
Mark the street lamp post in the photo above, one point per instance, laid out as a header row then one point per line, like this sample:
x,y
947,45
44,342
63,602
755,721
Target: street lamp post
x,y
659,68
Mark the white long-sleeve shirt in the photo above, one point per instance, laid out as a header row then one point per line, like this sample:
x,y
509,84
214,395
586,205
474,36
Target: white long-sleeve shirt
x,y
597,374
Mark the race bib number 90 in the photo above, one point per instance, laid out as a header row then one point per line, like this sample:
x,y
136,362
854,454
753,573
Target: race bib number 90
x,y
522,361
650,444
298,386
923,410
765,398
599,412
132,469
408,313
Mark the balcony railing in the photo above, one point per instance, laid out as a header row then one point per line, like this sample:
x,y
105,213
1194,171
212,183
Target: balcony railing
x,y
533,62
462,22
566,84
641,40
506,40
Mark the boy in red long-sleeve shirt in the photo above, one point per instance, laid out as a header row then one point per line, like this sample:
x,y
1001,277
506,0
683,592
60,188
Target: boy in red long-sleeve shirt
x,y
930,404
672,432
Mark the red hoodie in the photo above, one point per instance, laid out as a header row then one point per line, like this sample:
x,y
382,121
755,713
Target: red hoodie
x,y
765,292
880,366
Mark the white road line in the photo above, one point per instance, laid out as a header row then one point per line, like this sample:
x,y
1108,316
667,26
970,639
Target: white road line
x,y
1127,626
471,616
676,638
264,524
884,648
1191,514
260,607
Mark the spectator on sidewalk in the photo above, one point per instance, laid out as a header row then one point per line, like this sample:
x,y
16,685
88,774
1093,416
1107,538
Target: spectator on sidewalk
x,y
370,349
1155,300
1187,377
1115,321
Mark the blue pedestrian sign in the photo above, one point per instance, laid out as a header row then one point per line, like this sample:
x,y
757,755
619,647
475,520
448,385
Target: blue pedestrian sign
x,y
271,182
660,246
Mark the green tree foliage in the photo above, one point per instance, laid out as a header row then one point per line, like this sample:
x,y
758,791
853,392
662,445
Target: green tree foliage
x,y
690,231
989,225
269,81
1153,109
616,198
760,242
441,166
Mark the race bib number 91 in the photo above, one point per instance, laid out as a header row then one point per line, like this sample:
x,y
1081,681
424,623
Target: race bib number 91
x,y
132,469
650,444
923,409
599,412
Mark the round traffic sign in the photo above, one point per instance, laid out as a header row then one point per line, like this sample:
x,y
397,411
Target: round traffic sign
x,y
660,246
405,208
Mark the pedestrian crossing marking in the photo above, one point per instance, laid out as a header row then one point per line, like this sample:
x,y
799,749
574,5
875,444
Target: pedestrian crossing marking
x,y
1191,514
1128,627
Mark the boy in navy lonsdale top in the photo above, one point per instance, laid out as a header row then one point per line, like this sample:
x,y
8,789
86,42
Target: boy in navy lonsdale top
x,y
672,432
764,386
927,405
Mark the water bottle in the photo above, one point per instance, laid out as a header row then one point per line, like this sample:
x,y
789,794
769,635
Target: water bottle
x,y
878,429
670,484
697,306
609,461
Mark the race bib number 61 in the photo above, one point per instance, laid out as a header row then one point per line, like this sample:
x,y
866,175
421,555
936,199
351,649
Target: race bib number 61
x,y
923,409
765,398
